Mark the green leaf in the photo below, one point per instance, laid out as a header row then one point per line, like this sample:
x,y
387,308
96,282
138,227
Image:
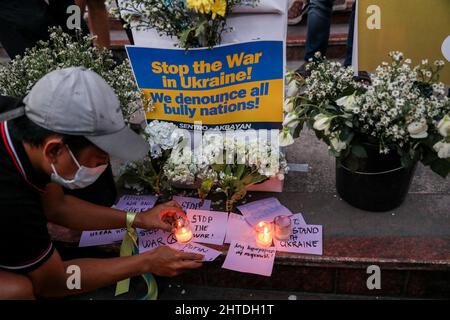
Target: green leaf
x,y
240,170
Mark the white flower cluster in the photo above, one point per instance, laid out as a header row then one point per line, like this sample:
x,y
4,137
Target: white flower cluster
x,y
161,136
63,51
403,109
393,108
173,157
327,81
238,147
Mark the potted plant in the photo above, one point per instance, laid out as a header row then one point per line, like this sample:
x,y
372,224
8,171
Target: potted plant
x,y
378,130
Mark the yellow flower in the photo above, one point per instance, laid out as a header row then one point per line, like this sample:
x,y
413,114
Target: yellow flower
x,y
219,8
202,6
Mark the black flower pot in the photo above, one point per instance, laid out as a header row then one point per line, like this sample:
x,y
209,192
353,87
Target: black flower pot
x,y
380,183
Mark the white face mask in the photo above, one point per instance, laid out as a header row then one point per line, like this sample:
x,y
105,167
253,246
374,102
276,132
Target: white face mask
x,y
84,177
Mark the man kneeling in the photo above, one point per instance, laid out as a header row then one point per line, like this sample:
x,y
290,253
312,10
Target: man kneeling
x,y
71,123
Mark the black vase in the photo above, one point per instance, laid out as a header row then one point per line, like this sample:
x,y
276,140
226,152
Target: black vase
x,y
380,183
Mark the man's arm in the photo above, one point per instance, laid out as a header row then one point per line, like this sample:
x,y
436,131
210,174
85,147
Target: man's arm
x,y
77,214
50,280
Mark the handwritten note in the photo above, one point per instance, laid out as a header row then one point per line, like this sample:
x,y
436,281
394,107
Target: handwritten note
x,y
130,203
134,203
208,226
193,203
101,237
263,210
239,229
307,239
248,258
298,220
192,247
152,239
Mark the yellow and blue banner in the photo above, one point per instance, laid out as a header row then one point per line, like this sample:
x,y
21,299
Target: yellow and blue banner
x,y
237,86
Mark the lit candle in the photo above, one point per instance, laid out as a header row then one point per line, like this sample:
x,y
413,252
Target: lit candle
x,y
264,234
283,227
183,232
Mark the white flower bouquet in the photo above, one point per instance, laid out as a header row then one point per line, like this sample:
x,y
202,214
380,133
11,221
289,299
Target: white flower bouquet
x,y
227,163
402,110
63,50
231,163
195,23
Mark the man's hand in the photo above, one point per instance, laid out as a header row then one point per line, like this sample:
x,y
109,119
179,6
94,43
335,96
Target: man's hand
x,y
167,262
158,217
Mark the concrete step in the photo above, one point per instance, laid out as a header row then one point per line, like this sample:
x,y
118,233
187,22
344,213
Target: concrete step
x,y
296,38
410,245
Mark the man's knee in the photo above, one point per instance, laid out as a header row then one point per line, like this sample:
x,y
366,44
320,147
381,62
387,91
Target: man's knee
x,y
15,287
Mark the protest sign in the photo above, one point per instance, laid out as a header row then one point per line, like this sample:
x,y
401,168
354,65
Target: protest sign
x,y
307,239
208,226
245,257
192,247
236,86
193,203
152,239
134,203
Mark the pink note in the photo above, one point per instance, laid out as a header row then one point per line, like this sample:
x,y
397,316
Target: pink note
x,y
101,237
193,203
192,247
208,226
152,239
307,239
263,210
135,203
248,258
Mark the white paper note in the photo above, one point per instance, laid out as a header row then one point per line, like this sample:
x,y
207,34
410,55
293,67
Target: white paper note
x,y
208,226
192,247
248,258
263,210
307,239
193,203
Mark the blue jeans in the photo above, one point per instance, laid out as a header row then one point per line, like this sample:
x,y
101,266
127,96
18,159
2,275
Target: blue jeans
x,y
318,30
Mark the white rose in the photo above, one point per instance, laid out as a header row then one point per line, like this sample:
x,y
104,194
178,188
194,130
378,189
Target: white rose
x,y
348,102
288,105
292,89
444,126
418,130
291,120
443,149
286,138
337,144
322,122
